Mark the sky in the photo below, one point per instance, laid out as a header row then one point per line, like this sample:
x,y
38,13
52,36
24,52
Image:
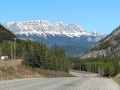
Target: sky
x,y
92,15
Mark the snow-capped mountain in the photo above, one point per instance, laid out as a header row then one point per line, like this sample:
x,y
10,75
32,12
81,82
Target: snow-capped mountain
x,y
53,32
43,28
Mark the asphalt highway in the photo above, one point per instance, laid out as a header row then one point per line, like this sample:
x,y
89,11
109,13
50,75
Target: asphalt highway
x,y
59,83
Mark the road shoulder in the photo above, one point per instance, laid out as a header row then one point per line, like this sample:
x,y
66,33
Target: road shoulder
x,y
99,84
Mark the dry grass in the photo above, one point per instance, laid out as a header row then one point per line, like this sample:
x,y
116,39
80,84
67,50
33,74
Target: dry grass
x,y
117,79
10,62
19,71
12,69
51,73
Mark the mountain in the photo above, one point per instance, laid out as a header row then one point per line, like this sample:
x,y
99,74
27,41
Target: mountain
x,y
54,32
109,47
44,28
5,34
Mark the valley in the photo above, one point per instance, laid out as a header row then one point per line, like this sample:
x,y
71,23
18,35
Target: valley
x,y
55,59
64,35
59,45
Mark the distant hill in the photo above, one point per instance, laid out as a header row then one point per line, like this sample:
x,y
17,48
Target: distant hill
x,y
109,47
5,34
75,50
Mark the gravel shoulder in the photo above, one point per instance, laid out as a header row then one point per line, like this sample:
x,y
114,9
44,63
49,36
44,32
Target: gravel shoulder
x,y
99,84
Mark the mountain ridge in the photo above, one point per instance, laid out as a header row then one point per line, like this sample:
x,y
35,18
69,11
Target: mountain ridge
x,y
107,47
42,28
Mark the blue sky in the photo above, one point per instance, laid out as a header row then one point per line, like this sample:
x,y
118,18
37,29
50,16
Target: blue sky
x,y
92,15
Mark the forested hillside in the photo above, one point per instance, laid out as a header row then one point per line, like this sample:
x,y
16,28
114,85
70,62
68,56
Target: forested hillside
x,y
5,34
35,54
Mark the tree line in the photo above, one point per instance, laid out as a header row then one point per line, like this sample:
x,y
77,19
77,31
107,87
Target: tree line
x,y
102,66
39,55
36,54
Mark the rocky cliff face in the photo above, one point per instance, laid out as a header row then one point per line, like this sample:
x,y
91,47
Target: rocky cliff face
x,y
109,47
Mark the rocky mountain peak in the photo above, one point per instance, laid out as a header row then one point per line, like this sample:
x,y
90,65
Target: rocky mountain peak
x,y
44,27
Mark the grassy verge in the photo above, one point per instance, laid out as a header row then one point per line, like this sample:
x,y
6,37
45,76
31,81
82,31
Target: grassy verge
x,y
19,71
51,73
117,79
14,70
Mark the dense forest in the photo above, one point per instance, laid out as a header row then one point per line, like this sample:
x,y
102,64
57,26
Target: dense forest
x,y
34,54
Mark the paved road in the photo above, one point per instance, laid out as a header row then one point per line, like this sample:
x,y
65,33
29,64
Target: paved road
x,y
63,83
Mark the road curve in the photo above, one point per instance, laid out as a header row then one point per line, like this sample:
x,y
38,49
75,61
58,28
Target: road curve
x,y
61,83
82,82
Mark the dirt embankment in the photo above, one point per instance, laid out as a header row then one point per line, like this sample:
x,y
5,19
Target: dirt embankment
x,y
12,69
